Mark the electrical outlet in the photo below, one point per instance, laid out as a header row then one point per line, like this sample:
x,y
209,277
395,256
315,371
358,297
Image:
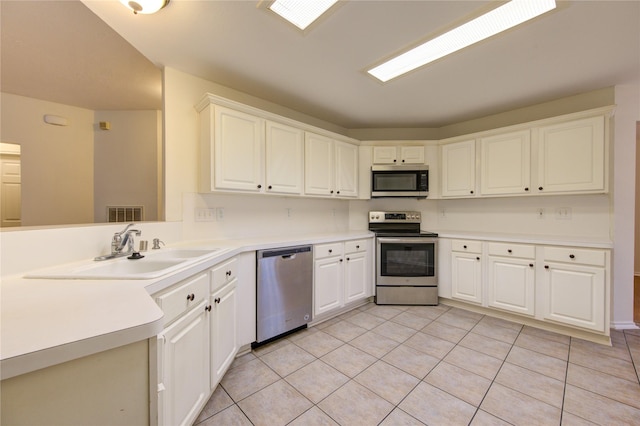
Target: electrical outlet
x,y
563,213
219,214
443,213
540,214
289,212
205,215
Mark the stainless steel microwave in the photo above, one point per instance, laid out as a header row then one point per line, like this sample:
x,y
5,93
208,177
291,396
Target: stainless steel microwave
x,y
400,181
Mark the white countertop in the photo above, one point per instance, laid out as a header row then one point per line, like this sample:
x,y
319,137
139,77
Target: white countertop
x,y
47,321
529,239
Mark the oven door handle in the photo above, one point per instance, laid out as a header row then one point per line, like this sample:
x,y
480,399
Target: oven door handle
x,y
403,240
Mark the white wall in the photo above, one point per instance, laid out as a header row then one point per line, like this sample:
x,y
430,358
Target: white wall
x,y
57,161
125,162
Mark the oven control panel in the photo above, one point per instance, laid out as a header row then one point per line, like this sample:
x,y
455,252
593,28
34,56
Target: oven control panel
x,y
394,217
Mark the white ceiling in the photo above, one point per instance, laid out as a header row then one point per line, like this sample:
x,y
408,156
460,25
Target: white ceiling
x,y
579,47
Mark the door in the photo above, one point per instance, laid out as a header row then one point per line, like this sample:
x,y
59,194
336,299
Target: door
x,y
466,277
284,159
505,163
238,145
406,261
412,155
10,190
329,285
355,277
459,169
223,330
512,284
318,165
346,169
185,375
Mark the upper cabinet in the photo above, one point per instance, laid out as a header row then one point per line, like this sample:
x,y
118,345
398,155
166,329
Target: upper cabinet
x,y
404,154
571,156
505,163
243,149
331,167
563,155
458,164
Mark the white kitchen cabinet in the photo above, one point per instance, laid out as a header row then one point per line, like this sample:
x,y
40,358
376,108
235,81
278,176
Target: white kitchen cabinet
x,y
403,154
284,159
224,318
571,156
505,163
342,274
466,270
357,277
238,150
458,163
511,282
575,287
184,367
331,167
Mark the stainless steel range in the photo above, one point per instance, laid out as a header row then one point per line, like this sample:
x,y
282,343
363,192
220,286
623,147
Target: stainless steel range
x,y
406,259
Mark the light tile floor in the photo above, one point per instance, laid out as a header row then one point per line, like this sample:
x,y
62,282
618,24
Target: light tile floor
x,y
432,365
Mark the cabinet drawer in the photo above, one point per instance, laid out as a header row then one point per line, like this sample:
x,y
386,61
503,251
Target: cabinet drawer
x,y
512,250
356,246
466,246
321,251
575,255
223,273
183,297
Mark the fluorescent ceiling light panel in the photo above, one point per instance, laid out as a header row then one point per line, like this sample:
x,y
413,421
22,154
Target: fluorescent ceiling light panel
x,y
301,13
500,19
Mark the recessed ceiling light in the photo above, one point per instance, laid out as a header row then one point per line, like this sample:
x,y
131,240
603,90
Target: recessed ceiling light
x,y
301,13
145,6
500,19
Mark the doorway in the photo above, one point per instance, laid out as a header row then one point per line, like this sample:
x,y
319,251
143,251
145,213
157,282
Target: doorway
x,y
636,278
10,186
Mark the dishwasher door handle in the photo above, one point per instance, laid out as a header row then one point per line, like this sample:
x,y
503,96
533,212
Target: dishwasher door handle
x,y
288,256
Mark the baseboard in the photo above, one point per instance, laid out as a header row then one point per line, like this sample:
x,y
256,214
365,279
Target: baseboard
x,y
624,325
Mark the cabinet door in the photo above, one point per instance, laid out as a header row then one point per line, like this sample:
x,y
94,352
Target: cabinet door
x,y
505,163
346,169
318,165
328,285
571,156
459,169
223,331
512,284
356,280
385,155
238,145
575,295
412,155
185,363
284,159
466,277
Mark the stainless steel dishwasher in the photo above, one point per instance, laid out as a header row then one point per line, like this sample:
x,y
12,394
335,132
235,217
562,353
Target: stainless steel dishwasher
x,y
284,291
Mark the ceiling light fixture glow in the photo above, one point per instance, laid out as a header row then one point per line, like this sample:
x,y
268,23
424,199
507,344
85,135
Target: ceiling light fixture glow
x,y
498,20
145,6
301,13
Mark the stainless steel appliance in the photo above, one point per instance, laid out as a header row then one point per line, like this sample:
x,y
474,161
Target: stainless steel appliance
x,y
284,291
406,259
400,181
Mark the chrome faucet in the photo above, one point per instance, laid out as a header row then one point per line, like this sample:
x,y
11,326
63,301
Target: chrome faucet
x,y
121,240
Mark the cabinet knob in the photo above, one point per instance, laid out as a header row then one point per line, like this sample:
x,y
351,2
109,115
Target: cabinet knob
x,y
403,161
357,247
540,188
331,192
526,189
546,266
337,192
348,259
464,247
228,273
269,187
531,265
477,257
340,260
330,251
207,308
509,251
191,297
394,160
259,186
471,192
217,300
572,256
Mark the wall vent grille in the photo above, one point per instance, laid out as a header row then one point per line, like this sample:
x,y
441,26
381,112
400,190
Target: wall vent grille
x,y
125,213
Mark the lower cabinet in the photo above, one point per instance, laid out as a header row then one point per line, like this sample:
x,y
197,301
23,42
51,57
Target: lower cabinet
x,y
341,274
565,285
466,270
574,286
512,277
199,341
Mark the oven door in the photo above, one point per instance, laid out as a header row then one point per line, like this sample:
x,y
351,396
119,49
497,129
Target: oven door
x,y
406,261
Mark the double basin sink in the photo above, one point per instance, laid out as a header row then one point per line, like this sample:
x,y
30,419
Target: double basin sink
x,y
153,265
